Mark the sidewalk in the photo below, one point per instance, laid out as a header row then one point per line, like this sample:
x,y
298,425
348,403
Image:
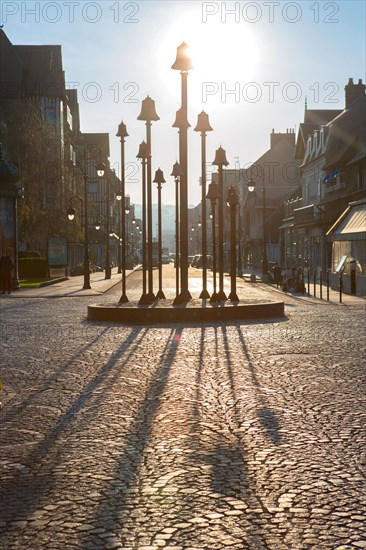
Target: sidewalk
x,y
347,299
72,287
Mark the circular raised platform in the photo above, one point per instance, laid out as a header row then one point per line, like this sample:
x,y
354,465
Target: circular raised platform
x,y
194,311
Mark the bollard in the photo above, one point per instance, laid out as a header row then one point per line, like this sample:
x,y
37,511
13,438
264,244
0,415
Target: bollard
x,y
302,281
308,281
314,281
321,283
340,286
327,285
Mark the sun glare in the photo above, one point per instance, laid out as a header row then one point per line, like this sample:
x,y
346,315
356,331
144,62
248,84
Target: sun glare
x,y
220,52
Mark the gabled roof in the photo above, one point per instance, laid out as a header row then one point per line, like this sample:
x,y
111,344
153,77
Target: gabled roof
x,y
313,119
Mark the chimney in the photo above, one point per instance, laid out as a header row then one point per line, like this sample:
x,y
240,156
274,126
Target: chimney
x,y
354,91
276,137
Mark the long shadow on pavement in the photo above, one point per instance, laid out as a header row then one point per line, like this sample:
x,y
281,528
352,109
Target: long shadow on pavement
x,y
113,508
23,494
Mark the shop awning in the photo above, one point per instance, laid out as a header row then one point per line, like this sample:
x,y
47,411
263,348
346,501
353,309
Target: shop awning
x,y
351,225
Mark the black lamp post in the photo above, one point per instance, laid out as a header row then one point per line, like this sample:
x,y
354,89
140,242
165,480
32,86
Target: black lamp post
x,y
119,254
233,201
183,64
71,213
122,134
177,173
220,161
143,154
159,180
127,211
213,195
193,251
148,113
203,126
251,187
101,168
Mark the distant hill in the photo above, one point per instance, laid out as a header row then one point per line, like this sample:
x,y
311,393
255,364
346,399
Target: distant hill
x,y
167,215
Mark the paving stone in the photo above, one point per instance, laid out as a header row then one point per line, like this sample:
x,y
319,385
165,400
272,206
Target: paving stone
x,y
182,437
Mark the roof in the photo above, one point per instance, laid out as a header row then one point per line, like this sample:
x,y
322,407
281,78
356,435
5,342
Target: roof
x,y
313,119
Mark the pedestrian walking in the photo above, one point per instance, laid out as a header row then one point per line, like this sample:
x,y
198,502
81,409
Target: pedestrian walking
x,y
6,267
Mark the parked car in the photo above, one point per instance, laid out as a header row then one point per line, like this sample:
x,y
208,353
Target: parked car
x,y
165,259
197,261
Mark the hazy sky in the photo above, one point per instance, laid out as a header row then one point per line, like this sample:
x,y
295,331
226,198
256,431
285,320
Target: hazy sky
x,y
255,62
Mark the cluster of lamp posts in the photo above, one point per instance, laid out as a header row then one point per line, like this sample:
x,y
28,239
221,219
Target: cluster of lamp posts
x,y
148,114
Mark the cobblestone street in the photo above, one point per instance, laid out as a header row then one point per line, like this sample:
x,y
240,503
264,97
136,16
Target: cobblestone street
x,y
247,435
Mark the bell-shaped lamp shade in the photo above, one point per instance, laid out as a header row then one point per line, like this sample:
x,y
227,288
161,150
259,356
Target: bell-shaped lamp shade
x,y
71,213
134,220
251,185
119,195
220,157
203,124
97,225
148,111
213,193
177,171
199,223
183,60
159,177
122,130
100,168
144,152
181,120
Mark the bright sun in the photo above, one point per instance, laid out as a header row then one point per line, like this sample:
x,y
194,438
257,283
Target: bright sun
x,y
221,52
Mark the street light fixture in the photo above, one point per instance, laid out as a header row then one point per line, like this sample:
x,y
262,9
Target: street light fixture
x,y
221,161
183,64
177,173
119,245
203,126
122,134
148,114
213,195
233,201
101,170
251,187
159,180
143,154
71,213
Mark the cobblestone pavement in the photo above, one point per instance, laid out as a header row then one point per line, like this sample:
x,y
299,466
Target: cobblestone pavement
x,y
243,436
